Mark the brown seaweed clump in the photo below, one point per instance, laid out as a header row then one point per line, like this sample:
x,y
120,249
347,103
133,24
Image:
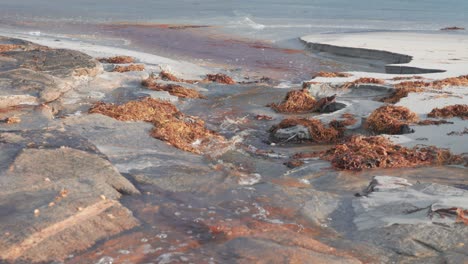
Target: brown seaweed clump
x,y
439,84
378,152
462,216
129,68
11,120
219,78
363,80
450,111
173,89
148,110
369,80
429,122
297,101
332,74
319,133
183,132
118,60
167,76
9,47
399,93
390,119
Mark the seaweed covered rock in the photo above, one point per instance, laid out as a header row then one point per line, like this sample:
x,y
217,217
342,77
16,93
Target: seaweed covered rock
x,y
378,152
438,84
189,134
304,129
296,102
332,74
363,80
12,44
147,109
170,125
450,111
167,76
390,119
174,89
400,92
219,78
300,101
129,68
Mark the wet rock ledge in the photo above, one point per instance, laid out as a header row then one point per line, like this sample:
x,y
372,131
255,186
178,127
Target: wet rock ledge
x,y
59,193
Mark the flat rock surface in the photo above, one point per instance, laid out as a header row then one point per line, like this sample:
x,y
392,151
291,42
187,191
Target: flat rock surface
x,y
58,199
56,62
28,87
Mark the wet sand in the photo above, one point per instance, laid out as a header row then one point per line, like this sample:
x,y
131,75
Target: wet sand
x,y
201,45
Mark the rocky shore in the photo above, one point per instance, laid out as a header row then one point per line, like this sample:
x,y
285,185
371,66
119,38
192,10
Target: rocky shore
x,y
104,161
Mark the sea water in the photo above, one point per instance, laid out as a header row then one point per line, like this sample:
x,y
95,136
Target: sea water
x,y
264,19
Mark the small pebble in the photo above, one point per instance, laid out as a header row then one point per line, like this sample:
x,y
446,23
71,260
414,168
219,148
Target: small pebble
x,y
124,252
13,120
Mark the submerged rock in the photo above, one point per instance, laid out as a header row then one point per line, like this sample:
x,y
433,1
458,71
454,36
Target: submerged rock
x,y
253,250
392,200
412,220
295,132
300,129
332,107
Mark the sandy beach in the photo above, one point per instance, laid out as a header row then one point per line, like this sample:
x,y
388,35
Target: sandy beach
x,y
116,155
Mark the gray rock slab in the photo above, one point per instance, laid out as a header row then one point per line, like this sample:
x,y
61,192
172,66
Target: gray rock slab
x,y
59,196
398,202
250,250
292,133
28,87
405,220
132,150
57,62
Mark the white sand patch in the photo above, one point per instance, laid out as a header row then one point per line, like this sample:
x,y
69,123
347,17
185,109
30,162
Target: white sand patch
x,y
446,52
